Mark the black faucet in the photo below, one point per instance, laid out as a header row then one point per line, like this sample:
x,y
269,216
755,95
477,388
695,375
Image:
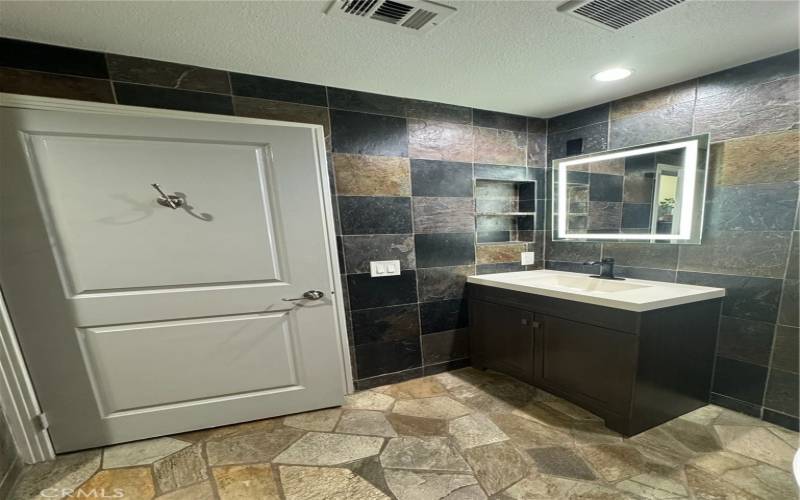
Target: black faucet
x,y
606,269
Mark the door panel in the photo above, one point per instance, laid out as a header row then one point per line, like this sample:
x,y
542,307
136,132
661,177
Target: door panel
x,y
98,195
138,320
143,366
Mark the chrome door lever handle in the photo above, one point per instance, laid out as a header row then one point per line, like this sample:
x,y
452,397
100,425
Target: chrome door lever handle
x,y
309,295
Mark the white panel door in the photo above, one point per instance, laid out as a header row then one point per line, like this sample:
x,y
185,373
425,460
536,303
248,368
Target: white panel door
x,y
138,319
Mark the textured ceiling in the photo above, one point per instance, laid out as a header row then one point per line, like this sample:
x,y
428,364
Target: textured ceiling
x,y
518,57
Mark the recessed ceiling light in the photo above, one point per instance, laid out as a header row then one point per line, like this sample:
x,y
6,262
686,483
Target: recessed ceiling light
x,y
612,74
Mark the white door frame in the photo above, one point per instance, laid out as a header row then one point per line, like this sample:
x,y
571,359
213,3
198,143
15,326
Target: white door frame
x,y
17,394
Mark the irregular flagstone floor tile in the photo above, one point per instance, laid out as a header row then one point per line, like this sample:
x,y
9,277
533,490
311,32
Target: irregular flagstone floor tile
x,y
758,443
437,407
408,485
366,422
528,433
478,399
539,412
418,388
787,436
131,483
708,486
653,486
245,482
614,461
371,470
67,472
321,420
430,453
537,487
248,448
417,426
316,483
180,469
586,433
696,437
558,461
141,452
199,491
663,444
316,448
497,466
470,431
265,425
368,400
747,474
704,416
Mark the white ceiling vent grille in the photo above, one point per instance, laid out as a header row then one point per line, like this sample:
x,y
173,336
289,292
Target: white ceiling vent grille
x,y
616,14
414,16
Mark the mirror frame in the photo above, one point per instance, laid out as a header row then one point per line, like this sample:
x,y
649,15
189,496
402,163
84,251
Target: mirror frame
x,y
694,184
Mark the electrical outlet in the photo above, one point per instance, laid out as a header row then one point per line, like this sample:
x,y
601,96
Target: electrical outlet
x,y
528,258
381,268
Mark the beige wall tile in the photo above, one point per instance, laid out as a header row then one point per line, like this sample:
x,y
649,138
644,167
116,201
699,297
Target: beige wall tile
x,y
362,175
432,140
495,254
500,147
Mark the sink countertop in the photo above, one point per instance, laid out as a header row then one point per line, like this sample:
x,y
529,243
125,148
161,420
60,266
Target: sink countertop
x,y
630,294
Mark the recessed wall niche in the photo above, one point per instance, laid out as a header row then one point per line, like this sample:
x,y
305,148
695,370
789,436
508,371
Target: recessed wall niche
x,y
505,211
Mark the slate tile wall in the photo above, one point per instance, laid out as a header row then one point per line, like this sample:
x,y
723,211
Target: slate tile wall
x,y
750,237
402,172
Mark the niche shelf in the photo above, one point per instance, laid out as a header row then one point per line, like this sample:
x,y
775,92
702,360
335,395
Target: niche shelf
x,y
505,211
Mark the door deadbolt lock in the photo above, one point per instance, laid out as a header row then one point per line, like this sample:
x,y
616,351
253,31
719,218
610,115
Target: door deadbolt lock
x,y
309,295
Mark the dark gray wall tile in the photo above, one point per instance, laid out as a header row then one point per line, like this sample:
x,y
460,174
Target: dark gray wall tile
x,y
427,110
660,124
441,178
537,149
360,250
782,391
387,357
51,58
445,367
755,253
441,250
167,74
792,270
388,378
20,81
445,346
739,380
572,251
385,324
443,215
735,405
278,90
746,75
790,303
644,273
581,118
494,119
572,267
745,296
367,292
658,256
183,100
605,217
367,134
537,125
443,315
781,419
501,172
353,100
595,138
499,267
375,214
769,107
745,340
786,351
636,215
752,207
443,283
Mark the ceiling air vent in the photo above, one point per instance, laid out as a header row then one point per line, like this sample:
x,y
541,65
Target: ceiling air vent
x,y
415,16
616,14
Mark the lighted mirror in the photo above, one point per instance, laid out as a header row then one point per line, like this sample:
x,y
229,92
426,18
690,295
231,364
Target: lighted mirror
x,y
651,193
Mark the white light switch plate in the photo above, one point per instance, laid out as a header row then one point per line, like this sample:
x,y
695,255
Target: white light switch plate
x,y
381,268
528,258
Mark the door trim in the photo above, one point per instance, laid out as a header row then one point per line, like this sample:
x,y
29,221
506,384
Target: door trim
x,y
19,389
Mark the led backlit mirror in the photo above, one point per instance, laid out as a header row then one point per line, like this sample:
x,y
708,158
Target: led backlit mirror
x,y
650,193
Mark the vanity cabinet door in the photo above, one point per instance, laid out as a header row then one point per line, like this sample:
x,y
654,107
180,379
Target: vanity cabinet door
x,y
502,338
593,366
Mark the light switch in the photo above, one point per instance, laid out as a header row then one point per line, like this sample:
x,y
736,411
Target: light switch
x,y
381,268
528,258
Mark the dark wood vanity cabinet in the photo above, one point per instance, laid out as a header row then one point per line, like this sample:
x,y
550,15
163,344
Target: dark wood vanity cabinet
x,y
634,369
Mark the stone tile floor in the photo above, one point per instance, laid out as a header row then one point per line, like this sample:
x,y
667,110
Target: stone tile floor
x,y
458,435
